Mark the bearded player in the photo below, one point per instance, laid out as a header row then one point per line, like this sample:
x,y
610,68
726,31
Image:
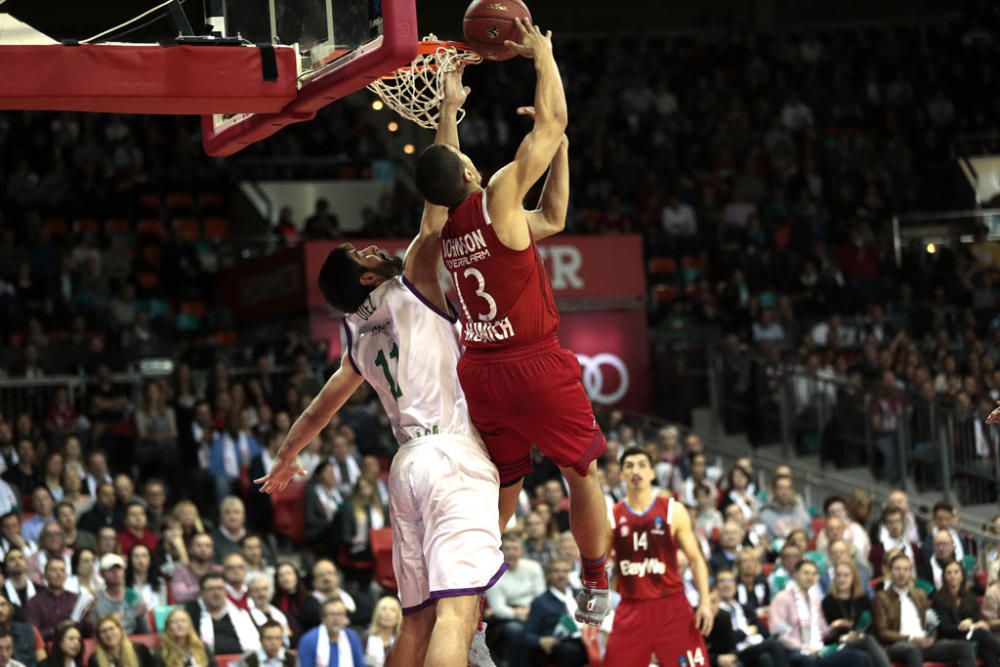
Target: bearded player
x,y
402,337
654,615
523,388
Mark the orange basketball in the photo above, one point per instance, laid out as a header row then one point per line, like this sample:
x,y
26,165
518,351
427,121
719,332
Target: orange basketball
x,y
489,22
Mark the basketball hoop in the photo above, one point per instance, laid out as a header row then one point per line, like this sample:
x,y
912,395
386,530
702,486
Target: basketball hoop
x,y
415,91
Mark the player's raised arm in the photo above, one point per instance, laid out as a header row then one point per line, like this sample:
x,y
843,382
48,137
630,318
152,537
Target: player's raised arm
x,y
314,419
550,216
684,535
510,184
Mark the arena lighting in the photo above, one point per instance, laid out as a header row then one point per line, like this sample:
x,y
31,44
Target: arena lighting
x,y
409,149
931,248
377,105
393,126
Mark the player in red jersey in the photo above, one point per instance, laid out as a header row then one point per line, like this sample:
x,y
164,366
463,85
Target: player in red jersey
x,y
654,615
522,387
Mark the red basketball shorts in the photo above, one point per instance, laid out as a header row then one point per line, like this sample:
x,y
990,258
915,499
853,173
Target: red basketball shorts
x,y
664,626
531,395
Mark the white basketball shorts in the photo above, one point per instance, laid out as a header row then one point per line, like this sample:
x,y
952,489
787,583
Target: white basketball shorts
x,y
443,495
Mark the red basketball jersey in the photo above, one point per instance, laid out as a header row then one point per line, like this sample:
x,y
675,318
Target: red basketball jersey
x,y
504,295
645,551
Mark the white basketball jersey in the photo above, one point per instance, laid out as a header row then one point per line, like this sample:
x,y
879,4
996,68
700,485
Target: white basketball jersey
x,y
408,350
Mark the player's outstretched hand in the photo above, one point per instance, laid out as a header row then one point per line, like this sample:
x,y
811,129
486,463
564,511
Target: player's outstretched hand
x,y
454,92
994,417
704,618
533,42
281,474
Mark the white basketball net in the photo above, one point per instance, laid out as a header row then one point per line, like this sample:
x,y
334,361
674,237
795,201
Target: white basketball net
x,y
415,91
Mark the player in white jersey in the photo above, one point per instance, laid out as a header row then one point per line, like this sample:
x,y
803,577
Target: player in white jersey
x,y
403,338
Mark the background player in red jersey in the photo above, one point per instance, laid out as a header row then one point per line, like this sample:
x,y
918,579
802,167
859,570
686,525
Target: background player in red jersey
x,y
522,387
654,615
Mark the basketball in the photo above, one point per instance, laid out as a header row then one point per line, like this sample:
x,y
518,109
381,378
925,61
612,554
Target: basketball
x,y
489,22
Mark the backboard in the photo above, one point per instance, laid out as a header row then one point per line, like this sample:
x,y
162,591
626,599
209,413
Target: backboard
x,y
248,67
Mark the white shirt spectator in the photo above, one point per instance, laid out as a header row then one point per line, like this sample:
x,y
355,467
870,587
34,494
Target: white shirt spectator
x,y
516,588
909,617
679,219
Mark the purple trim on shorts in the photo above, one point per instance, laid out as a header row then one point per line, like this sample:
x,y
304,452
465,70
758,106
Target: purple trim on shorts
x,y
350,355
455,592
423,605
596,449
451,316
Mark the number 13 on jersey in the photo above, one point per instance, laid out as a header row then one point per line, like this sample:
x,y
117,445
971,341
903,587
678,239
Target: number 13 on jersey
x,y
481,292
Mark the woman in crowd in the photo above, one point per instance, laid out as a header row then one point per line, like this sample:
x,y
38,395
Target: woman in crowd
x,y
113,647
85,574
991,601
180,645
72,484
52,472
362,513
156,427
855,534
186,513
383,631
67,647
143,576
289,597
848,611
738,493
958,611
171,550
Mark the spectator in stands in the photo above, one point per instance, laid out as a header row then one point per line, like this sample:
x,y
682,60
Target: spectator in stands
x,y
74,539
554,495
272,651
537,545
67,646
260,607
23,477
322,504
52,471
739,493
383,631
108,404
18,588
105,511
231,452
960,617
234,570
180,645
891,535
171,552
135,530
991,600
252,549
326,586
362,513
224,628
728,548
885,409
113,647
28,646
749,643
142,575
155,496
835,507
97,467
708,518
156,428
796,617
73,492
85,572
53,604
782,513
107,541
118,599
9,500
509,601
289,597
752,589
942,554
186,579
190,520
839,551
53,546
346,470
789,559
331,643
544,628
44,507
322,224
946,519
847,609
232,528
7,651
10,535
900,614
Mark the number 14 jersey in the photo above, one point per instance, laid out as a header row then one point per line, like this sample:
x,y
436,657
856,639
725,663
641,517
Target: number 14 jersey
x,y
504,295
645,551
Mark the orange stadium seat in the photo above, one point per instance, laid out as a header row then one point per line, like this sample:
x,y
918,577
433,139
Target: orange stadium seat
x,y
151,226
187,229
150,201
85,225
117,226
211,201
226,660
662,265
216,228
179,201
148,280
665,293
56,226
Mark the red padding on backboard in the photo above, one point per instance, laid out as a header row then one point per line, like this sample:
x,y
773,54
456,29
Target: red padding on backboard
x,y
133,78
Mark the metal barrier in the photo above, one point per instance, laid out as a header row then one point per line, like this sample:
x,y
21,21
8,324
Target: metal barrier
x,y
903,439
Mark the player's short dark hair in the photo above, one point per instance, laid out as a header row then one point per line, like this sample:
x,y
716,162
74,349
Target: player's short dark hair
x,y
340,281
637,451
439,176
